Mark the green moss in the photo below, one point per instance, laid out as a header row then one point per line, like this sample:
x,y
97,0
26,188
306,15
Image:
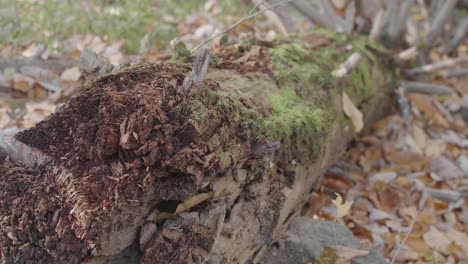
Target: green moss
x,y
224,159
290,114
300,100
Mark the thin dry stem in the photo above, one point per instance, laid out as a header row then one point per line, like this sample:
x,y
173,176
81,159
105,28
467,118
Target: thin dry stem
x,y
238,23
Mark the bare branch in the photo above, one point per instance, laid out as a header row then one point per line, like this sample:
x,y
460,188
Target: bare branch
x,y
274,17
452,73
441,18
427,88
199,70
377,25
397,27
460,34
438,66
407,54
313,14
346,67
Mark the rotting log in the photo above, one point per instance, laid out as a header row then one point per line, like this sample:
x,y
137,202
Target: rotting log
x,y
243,149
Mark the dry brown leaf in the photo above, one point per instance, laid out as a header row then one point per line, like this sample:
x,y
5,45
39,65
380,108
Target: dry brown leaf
x,y
425,104
385,197
347,253
445,168
434,148
415,242
407,160
342,209
461,239
436,239
405,255
353,113
185,205
21,83
71,74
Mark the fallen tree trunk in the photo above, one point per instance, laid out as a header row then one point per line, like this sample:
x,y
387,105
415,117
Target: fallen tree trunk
x,y
135,170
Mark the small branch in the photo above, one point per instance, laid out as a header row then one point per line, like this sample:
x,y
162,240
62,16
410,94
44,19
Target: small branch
x,y
444,195
238,23
438,66
351,63
377,25
460,34
440,19
405,238
312,14
199,70
404,107
407,54
397,26
271,15
453,73
393,8
427,88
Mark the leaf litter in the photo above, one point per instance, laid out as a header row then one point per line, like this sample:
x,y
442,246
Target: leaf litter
x,y
406,183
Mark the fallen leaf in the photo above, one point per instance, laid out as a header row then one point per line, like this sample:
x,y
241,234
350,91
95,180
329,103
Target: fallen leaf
x,y
342,209
347,253
460,238
426,105
436,239
445,168
462,162
386,177
405,255
353,113
71,74
415,242
185,205
22,82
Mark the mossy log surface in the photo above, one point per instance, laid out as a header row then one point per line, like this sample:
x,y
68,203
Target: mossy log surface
x,y
129,148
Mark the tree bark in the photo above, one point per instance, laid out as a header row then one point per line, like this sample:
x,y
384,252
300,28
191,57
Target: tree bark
x,y
136,171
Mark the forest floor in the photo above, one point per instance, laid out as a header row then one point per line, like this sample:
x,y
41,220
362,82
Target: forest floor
x,y
406,175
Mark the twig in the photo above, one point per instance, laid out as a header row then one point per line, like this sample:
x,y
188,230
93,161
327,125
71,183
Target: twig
x,y
238,23
451,73
336,241
405,238
427,88
404,107
444,195
407,54
460,33
273,15
312,14
438,66
199,70
440,19
397,24
377,25
259,3
351,63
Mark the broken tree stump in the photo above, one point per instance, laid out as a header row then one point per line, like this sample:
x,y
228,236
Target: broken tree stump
x,y
136,171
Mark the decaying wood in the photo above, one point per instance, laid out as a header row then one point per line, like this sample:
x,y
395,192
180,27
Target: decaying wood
x,y
230,162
